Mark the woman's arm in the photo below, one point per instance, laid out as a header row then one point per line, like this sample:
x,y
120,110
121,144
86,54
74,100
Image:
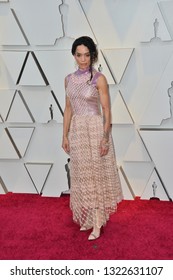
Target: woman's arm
x,y
66,123
105,103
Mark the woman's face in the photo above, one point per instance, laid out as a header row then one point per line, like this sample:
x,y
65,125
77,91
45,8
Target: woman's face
x,y
82,56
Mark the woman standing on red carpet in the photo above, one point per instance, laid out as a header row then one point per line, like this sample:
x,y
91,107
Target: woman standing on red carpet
x,y
95,184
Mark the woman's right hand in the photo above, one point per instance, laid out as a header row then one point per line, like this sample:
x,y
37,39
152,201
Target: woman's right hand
x,y
65,145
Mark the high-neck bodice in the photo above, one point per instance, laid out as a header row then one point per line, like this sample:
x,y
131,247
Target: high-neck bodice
x,y
83,93
82,71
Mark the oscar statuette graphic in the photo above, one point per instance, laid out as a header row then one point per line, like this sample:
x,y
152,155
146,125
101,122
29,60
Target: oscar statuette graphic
x,y
51,111
100,69
67,169
156,28
154,186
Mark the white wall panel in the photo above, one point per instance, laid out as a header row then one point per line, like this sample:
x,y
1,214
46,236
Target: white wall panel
x,y
7,150
21,136
159,106
3,189
6,97
120,113
154,188
38,173
142,76
49,137
122,135
19,111
136,150
40,20
31,74
16,177
56,65
159,144
126,188
77,23
13,62
46,28
118,60
105,68
39,100
159,30
117,22
166,8
6,80
138,174
10,32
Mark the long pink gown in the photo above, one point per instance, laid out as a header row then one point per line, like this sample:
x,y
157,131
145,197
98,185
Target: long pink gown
x,y
95,183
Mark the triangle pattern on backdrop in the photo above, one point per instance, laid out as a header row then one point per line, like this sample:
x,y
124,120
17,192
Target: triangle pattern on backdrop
x,y
41,97
31,74
138,174
120,114
126,187
11,33
21,137
6,97
136,150
118,59
19,112
13,62
38,173
7,150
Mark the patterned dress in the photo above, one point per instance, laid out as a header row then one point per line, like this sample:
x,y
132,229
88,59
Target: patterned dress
x,y
95,183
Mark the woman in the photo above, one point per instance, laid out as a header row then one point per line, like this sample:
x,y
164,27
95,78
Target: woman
x,y
95,184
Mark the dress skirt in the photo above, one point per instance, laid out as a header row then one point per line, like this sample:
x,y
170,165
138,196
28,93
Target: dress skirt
x,y
95,184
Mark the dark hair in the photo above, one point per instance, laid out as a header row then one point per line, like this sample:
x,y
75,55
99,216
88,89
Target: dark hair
x,y
89,43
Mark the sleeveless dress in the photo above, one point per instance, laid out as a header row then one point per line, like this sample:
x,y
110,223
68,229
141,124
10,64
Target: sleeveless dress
x,y
95,184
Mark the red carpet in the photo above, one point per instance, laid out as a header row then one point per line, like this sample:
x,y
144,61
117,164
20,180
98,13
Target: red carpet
x,y
39,228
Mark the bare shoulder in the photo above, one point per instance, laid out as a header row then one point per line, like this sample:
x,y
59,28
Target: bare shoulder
x,y
102,81
66,80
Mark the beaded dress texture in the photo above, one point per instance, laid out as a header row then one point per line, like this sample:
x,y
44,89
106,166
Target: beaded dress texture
x,y
95,183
